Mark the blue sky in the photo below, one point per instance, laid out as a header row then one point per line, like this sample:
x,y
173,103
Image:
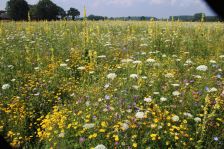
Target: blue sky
x,y
114,8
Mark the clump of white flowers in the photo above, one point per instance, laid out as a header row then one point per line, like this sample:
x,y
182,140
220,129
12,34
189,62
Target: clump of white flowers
x,y
150,60
124,126
140,115
213,89
100,146
175,118
197,119
148,99
111,76
169,75
162,99
63,65
134,76
81,68
5,86
176,93
88,125
202,68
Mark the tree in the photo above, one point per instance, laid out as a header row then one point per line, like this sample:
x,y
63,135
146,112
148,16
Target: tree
x,y
17,9
61,12
46,10
73,12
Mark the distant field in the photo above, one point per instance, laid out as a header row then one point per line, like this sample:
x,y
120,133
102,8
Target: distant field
x,y
112,84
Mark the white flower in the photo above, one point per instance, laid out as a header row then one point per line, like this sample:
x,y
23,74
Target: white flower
x,y
67,60
176,93
124,126
10,66
156,93
5,86
137,62
212,90
139,115
134,76
162,99
150,60
100,146
164,55
188,62
61,135
89,125
188,115
149,99
63,65
36,68
135,87
169,75
197,76
175,118
102,56
81,68
107,85
212,61
175,85
202,68
126,60
221,56
111,76
197,119
13,80
144,77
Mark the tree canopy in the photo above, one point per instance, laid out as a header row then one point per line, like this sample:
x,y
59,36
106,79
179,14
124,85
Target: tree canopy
x,y
73,12
17,9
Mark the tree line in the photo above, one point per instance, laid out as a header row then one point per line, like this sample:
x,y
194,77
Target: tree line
x,y
43,10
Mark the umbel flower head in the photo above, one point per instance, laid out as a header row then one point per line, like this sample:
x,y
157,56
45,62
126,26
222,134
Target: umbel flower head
x,y
111,76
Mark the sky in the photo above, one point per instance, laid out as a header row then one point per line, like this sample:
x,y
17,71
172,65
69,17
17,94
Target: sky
x,y
116,8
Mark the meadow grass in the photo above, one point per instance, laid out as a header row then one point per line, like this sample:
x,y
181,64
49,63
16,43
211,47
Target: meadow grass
x,y
112,84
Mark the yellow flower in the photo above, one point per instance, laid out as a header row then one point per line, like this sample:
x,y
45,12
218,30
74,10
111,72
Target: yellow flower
x,y
103,124
102,130
135,145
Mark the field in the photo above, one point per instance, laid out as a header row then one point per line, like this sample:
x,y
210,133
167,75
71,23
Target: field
x,y
112,84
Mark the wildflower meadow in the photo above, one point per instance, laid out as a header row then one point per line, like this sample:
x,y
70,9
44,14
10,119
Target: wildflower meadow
x,y
112,84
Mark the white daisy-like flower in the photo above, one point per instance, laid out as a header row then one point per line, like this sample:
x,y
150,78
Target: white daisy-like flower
x,y
175,118
100,146
13,80
202,68
150,60
111,76
197,119
88,125
6,86
176,93
140,115
148,99
144,77
63,65
134,76
162,99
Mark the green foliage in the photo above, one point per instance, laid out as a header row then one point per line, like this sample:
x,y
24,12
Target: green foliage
x,y
45,10
73,12
17,9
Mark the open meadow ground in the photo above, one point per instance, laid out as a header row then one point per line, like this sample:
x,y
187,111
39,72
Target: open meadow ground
x,y
112,84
